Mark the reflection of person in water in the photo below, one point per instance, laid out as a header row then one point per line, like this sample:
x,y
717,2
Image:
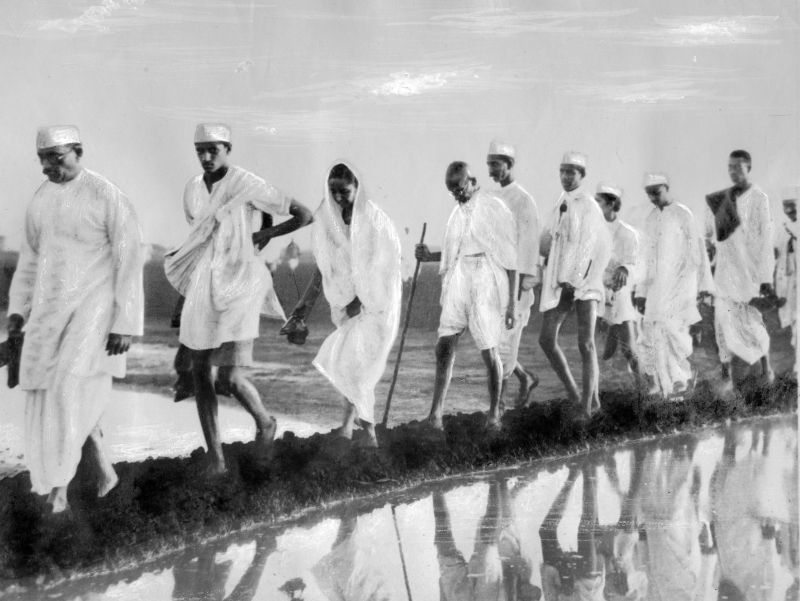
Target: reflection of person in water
x,y
568,576
496,570
205,579
755,511
627,578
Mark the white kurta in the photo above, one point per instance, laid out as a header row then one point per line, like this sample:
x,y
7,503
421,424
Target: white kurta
x,y
362,260
676,269
79,278
744,260
786,276
475,289
579,252
526,216
217,269
625,248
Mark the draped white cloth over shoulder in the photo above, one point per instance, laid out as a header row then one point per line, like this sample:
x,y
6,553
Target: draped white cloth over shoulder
x,y
217,269
360,260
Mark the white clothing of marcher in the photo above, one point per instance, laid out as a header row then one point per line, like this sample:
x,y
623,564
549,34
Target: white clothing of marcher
x,y
744,260
579,252
78,279
676,269
360,260
625,246
526,216
786,276
475,285
226,284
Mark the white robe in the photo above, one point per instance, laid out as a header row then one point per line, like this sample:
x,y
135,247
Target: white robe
x,y
526,217
625,253
362,260
786,276
676,269
579,252
744,260
79,278
225,283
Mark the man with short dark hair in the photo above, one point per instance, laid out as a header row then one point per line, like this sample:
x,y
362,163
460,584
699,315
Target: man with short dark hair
x,y
478,267
78,292
225,283
676,270
739,225
500,160
576,246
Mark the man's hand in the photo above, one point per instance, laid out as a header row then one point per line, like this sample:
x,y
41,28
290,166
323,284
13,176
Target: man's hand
x,y
620,278
14,324
118,343
261,239
527,282
545,241
510,317
640,303
422,253
766,290
353,308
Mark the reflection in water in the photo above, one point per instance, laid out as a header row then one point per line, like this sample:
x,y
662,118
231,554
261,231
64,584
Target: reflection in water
x,y
687,518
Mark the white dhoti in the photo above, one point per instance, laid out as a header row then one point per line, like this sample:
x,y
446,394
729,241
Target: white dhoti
x,y
57,423
470,299
510,339
354,356
664,350
740,331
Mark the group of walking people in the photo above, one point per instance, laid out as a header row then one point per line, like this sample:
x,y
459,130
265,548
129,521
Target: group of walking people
x,y
77,296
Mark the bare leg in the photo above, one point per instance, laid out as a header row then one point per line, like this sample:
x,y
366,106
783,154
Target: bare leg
x,y
494,367
587,316
207,409
243,391
548,340
348,421
766,369
372,439
108,477
445,358
184,386
612,336
527,382
627,339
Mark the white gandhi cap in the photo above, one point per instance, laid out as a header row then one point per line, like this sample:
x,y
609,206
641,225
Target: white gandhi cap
x,y
56,135
502,149
572,157
655,179
609,188
212,132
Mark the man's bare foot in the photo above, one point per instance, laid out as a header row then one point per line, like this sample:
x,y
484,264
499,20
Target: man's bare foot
x,y
493,424
370,441
57,499
266,435
107,485
525,389
215,470
769,376
435,422
343,432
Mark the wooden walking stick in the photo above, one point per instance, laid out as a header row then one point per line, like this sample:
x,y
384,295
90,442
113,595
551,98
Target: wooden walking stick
x,y
403,336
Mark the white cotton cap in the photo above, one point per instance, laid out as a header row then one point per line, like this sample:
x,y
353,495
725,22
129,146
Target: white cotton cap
x,y
790,193
609,188
503,149
212,132
655,179
572,157
57,135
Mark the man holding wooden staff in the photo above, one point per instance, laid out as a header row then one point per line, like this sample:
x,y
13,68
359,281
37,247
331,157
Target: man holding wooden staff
x,y
479,284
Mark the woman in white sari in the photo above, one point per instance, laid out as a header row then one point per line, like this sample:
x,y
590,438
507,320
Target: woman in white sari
x,y
357,251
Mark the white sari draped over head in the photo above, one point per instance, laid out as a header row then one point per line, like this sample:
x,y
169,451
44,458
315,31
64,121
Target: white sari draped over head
x,y
360,260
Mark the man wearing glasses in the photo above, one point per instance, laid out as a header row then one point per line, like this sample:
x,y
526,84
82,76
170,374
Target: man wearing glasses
x,y
77,290
478,268
223,280
676,269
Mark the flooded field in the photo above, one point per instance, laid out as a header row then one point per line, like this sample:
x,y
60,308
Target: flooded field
x,y
681,517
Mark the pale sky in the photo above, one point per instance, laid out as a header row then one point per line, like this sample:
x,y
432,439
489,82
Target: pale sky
x,y
401,89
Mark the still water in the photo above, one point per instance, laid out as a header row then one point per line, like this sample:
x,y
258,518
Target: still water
x,y
707,516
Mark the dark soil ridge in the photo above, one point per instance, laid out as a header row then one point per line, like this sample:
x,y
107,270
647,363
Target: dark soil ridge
x,y
164,504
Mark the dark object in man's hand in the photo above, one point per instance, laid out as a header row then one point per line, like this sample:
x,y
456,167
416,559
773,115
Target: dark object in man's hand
x,y
640,303
295,330
353,308
175,322
10,354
